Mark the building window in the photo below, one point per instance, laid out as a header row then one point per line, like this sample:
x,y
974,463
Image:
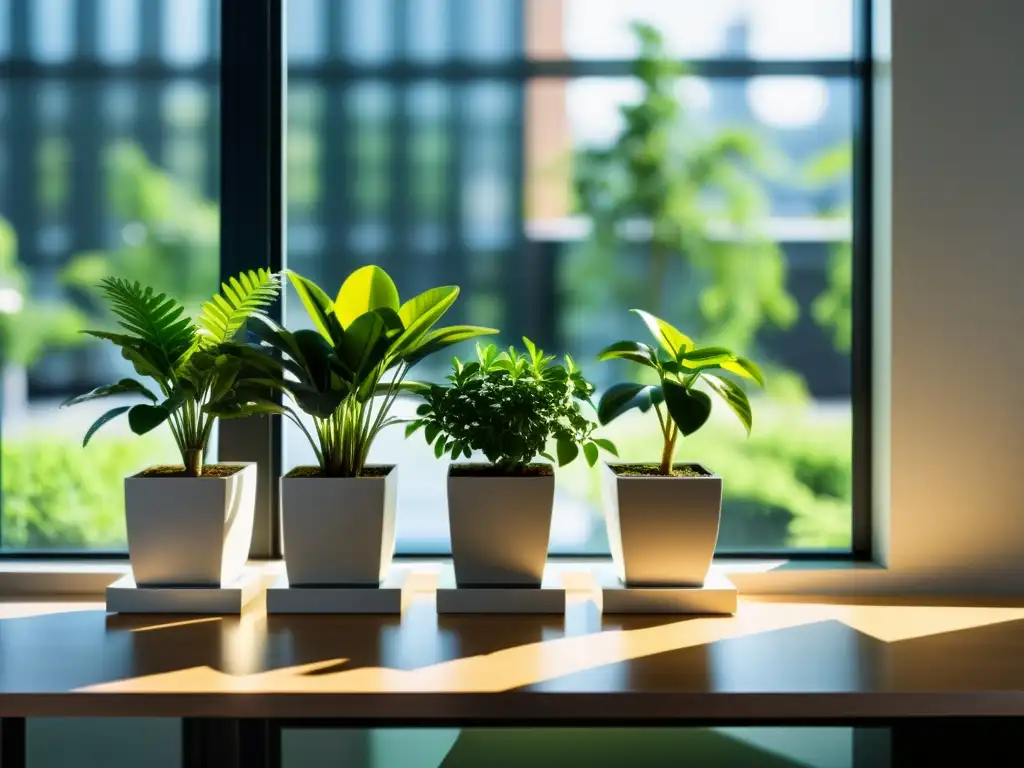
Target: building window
x,y
440,139
109,138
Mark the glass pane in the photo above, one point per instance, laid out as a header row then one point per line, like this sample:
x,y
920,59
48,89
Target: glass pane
x,y
468,181
756,29
99,175
781,298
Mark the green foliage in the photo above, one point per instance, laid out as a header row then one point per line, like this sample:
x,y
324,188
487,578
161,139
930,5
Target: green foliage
x,y
509,406
171,235
833,308
347,372
35,326
701,197
196,366
680,366
53,498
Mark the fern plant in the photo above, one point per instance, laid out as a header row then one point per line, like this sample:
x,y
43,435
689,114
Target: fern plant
x,y
192,362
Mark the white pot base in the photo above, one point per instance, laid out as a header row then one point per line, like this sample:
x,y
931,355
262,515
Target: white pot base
x,y
123,596
384,599
549,598
718,596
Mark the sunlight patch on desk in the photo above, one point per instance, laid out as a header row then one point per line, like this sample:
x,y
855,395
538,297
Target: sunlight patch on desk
x,y
174,624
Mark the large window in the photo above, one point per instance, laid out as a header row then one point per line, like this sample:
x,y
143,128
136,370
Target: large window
x,y
108,165
441,138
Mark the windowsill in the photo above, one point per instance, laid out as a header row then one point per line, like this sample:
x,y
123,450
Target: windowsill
x,y
770,575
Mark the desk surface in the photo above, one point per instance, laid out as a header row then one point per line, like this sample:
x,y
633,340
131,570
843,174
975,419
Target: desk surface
x,y
777,659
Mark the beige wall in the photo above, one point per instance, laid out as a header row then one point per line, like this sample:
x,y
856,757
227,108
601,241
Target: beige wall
x,y
957,429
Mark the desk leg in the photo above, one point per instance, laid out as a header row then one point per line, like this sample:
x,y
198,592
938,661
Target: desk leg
x,y
950,741
12,742
227,743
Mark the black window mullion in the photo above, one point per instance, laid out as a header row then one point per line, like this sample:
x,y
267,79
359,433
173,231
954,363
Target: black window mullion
x,y
861,300
397,254
251,229
336,135
453,257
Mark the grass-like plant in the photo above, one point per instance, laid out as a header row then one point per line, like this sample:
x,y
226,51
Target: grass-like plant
x,y
191,361
680,406
509,406
347,373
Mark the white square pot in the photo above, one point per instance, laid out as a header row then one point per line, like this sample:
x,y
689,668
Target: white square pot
x,y
190,531
338,531
662,531
500,528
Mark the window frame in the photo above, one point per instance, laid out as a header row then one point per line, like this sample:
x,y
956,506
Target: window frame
x,y
254,71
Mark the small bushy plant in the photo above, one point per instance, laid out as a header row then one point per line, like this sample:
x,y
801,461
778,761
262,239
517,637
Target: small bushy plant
x,y
509,406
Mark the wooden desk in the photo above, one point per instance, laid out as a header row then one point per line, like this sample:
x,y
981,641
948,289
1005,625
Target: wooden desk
x,y
778,661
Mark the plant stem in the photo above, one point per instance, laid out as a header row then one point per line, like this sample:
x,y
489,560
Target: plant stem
x,y
193,462
669,450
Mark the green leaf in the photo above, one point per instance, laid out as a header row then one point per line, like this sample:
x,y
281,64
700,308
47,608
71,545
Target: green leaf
x,y
113,413
670,338
439,449
566,451
364,344
246,295
123,387
243,408
366,289
590,452
419,314
431,432
623,397
733,396
318,306
689,408
608,445
440,338
145,418
707,357
748,369
418,388
467,452
634,351
412,426
154,318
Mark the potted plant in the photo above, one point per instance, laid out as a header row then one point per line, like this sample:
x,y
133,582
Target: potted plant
x,y
508,406
188,524
663,518
339,516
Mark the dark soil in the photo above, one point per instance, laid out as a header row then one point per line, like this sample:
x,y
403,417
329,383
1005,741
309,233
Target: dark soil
x,y
489,470
654,470
316,472
178,470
